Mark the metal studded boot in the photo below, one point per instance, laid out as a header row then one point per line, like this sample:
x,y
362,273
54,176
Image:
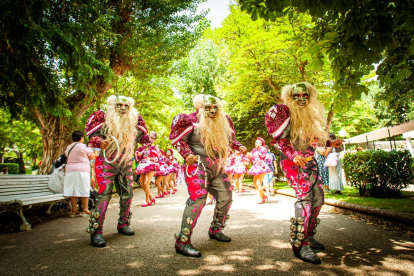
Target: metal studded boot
x,y
218,235
184,247
97,240
306,254
95,230
123,226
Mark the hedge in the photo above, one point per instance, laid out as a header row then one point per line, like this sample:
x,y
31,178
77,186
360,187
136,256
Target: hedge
x,y
378,173
13,167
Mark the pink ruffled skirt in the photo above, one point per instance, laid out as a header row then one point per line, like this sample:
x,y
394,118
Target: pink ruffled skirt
x,y
259,167
239,169
144,168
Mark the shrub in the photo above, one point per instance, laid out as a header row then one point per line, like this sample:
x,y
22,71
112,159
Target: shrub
x,y
13,168
378,173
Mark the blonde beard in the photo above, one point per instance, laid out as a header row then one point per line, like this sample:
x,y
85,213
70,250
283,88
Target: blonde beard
x,y
123,129
216,135
306,123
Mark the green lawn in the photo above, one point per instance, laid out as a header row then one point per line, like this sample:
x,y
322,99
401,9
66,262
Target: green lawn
x,y
351,195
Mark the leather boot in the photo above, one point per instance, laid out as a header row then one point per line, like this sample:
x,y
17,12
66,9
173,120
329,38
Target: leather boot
x,y
218,236
125,230
314,244
188,250
97,240
306,254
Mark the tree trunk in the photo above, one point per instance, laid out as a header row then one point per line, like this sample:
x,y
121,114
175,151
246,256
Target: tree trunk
x,y
55,137
2,156
330,118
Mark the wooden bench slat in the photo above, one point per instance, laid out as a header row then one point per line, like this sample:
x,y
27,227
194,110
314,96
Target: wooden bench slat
x,y
23,176
33,190
25,196
22,189
3,187
16,181
42,199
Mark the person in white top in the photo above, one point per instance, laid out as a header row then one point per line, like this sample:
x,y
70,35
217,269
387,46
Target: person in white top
x,y
77,177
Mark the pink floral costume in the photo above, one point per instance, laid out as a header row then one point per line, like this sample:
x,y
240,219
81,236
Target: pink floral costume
x,y
238,161
108,174
172,164
309,201
163,167
148,160
258,157
185,138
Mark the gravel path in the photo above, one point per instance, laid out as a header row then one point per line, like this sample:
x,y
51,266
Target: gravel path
x,y
259,244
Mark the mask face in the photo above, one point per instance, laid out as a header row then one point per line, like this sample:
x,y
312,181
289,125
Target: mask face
x,y
210,106
300,95
258,143
121,105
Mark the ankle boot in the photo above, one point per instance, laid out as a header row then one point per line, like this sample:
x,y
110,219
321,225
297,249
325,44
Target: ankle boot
x,y
314,244
306,254
97,240
218,236
125,230
187,249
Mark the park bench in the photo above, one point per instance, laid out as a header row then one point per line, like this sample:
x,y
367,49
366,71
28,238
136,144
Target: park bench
x,y
17,191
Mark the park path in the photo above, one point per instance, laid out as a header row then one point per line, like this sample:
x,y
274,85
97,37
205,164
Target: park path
x,y
259,244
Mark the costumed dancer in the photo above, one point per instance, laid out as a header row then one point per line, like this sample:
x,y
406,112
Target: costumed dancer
x,y
259,168
174,169
170,161
297,128
161,173
202,138
148,166
240,162
114,166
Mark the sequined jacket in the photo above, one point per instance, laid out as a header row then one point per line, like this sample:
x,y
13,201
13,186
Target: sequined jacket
x,y
183,126
277,121
95,123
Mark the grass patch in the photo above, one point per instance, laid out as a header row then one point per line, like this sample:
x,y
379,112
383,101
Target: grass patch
x,y
351,195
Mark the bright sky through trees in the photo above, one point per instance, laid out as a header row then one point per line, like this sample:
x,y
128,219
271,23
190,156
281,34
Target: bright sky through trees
x,y
219,9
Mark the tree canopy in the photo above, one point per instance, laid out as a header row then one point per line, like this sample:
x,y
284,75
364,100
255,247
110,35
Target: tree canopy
x,y
354,35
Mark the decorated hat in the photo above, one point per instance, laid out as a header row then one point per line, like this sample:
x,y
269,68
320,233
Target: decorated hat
x,y
261,140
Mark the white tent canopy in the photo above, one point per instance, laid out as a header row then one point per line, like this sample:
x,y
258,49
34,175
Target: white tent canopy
x,y
382,133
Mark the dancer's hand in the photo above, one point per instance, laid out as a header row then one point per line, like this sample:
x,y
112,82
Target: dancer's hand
x,y
300,160
243,150
191,159
104,144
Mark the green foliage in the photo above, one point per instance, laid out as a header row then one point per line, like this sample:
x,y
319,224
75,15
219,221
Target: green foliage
x,y
199,72
354,35
12,167
378,173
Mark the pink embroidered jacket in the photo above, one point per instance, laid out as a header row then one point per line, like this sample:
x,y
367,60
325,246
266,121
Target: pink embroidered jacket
x,y
277,121
96,121
184,124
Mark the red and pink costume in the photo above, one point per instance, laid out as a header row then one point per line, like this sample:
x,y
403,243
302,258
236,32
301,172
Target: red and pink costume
x,y
257,157
304,180
149,158
238,164
110,174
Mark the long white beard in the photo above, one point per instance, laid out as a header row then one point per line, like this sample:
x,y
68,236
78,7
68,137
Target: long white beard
x,y
307,122
216,135
123,128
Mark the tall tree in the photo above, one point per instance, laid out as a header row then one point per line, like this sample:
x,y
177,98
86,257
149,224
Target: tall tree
x,y
60,57
354,35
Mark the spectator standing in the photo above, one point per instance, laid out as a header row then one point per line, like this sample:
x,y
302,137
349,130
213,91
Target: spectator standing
x,y
335,173
268,179
77,177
